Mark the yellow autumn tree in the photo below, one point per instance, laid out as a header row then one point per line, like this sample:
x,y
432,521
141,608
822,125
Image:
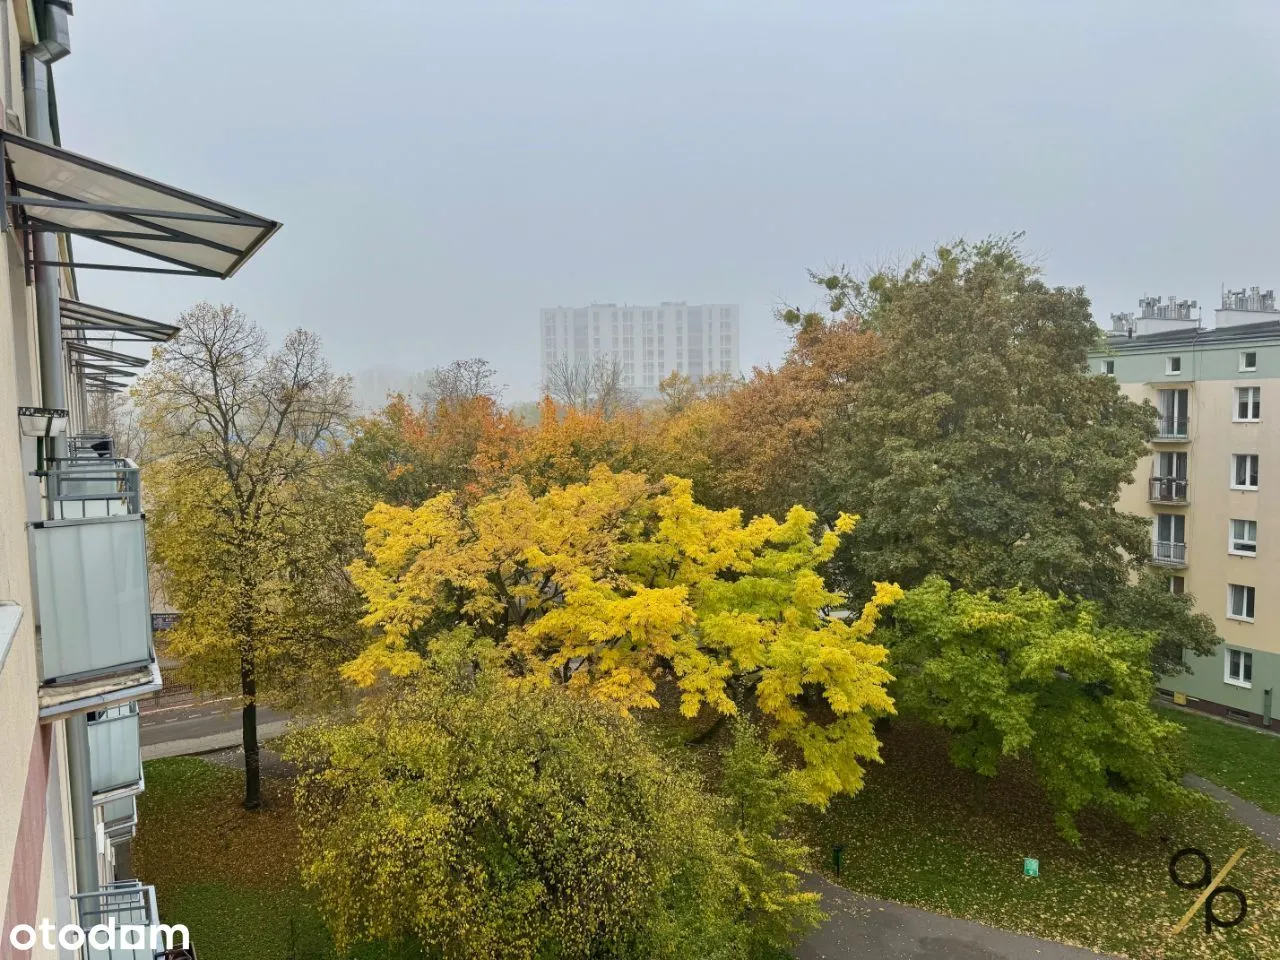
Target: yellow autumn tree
x,y
249,523
612,585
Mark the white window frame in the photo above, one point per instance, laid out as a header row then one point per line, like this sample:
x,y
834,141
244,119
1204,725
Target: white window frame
x,y
1233,540
1107,368
1237,681
1252,392
1245,365
1245,588
1173,366
1236,486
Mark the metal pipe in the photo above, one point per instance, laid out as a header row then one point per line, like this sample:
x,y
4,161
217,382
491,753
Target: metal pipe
x,y
48,310
53,389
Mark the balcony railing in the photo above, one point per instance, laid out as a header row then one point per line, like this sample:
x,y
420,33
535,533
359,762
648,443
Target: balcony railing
x,y
1169,553
91,445
1168,490
1171,428
115,751
87,488
95,604
127,903
120,818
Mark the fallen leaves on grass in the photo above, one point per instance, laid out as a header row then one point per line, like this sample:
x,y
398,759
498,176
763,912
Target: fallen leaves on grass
x,y
927,834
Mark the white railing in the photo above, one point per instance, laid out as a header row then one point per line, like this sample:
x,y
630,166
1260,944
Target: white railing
x,y
1169,553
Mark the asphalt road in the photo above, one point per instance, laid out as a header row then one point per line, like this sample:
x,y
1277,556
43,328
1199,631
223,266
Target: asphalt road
x,y
865,928
201,727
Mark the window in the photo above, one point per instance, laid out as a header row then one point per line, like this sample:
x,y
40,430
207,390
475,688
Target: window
x,y
1173,406
1239,667
1248,361
1244,538
1244,471
1108,367
1240,602
1172,365
1248,404
1177,585
1171,528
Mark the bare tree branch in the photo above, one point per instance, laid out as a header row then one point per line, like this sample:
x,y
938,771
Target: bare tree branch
x,y
597,385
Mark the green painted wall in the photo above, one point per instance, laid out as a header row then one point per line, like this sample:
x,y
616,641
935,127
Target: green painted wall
x,y
1205,681
1198,363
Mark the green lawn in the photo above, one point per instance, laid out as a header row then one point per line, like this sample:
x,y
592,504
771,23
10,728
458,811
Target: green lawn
x,y
920,832
230,876
926,834
1244,761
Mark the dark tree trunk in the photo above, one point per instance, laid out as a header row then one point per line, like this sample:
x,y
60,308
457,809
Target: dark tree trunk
x,y
249,714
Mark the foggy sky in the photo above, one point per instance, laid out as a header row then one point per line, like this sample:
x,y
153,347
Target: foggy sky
x,y
443,170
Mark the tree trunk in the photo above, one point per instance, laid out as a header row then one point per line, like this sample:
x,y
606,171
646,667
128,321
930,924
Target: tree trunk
x,y
249,715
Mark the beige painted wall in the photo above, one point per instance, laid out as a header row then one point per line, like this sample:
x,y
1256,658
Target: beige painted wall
x,y
1212,439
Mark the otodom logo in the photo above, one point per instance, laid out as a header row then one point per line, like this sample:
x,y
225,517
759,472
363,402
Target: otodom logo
x,y
1214,889
161,939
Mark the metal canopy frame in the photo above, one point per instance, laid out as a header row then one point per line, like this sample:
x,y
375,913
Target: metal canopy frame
x,y
57,191
91,356
89,322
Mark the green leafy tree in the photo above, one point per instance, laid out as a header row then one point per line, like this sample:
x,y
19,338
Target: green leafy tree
x,y
1147,605
762,803
482,815
979,445
1028,675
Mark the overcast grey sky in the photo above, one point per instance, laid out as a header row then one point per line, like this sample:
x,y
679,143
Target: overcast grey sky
x,y
445,169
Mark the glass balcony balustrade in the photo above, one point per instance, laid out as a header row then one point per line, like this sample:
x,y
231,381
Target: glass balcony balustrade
x,y
95,603
115,751
120,818
90,563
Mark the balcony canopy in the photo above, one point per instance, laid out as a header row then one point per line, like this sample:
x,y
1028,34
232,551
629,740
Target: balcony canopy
x,y
58,191
87,322
98,363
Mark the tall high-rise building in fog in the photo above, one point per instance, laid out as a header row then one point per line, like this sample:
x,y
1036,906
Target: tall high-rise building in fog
x,y
648,342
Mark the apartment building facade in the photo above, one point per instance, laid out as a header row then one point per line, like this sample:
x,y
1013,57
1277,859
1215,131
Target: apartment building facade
x,y
648,342
1211,484
76,648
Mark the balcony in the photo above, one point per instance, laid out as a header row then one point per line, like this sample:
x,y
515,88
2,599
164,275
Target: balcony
x,y
1168,490
1171,429
90,445
82,488
120,818
90,563
1168,553
115,753
128,903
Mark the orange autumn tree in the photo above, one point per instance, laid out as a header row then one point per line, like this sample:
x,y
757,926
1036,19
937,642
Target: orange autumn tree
x,y
761,445
566,444
407,453
611,585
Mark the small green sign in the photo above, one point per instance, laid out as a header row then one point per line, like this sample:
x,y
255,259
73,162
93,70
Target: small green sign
x,y
1030,867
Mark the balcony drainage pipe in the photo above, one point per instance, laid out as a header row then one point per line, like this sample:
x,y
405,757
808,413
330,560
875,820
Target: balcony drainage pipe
x,y
53,390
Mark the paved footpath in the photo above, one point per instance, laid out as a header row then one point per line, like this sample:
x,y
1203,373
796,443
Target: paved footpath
x,y
863,928
1265,825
